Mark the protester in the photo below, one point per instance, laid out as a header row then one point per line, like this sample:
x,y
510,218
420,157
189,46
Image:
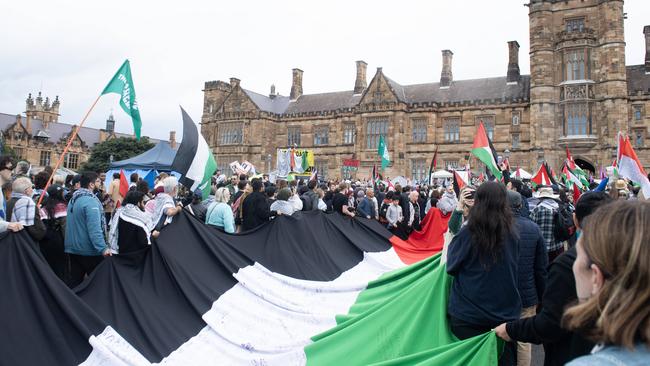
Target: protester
x,y
310,197
131,228
519,187
21,208
282,205
432,201
383,209
321,203
114,191
394,214
366,207
340,202
6,166
54,215
165,208
196,206
532,268
612,272
219,214
40,180
255,209
414,208
483,259
295,197
560,345
461,212
543,216
84,231
133,181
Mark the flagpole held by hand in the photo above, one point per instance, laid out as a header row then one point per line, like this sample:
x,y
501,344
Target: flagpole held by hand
x,y
65,151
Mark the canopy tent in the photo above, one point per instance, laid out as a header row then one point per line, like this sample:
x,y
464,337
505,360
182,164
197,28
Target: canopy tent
x,y
441,174
520,173
159,157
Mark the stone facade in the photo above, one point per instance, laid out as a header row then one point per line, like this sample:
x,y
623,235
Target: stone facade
x,y
579,94
39,138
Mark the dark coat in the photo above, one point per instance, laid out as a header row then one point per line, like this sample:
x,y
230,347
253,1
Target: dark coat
x,y
533,261
560,345
255,211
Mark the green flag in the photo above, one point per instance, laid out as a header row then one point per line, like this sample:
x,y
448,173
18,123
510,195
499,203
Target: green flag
x,y
382,150
122,84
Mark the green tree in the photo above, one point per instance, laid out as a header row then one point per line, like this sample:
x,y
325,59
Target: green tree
x,y
121,148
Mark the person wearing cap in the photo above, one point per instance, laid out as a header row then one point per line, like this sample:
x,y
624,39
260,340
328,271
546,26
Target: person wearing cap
x,y
6,166
542,215
54,214
532,267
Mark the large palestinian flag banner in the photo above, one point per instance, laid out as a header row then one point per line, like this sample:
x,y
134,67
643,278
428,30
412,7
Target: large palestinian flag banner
x,y
310,289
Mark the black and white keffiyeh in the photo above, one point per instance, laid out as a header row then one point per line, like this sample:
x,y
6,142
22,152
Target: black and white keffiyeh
x,y
133,215
163,202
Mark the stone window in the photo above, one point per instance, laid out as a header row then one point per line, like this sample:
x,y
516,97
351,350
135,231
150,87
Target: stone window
x,y
18,135
639,137
515,140
577,121
20,152
452,164
321,168
231,133
516,118
349,134
575,25
45,158
293,136
71,161
223,162
575,64
638,113
419,170
488,123
375,127
419,130
321,135
451,129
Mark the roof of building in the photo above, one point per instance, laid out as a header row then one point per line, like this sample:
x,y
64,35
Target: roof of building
x,y
57,130
637,80
494,89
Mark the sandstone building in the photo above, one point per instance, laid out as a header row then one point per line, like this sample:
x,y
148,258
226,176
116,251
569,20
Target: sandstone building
x,y
579,94
39,137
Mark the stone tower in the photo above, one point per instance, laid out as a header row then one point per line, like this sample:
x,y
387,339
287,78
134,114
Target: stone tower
x,y
42,110
578,88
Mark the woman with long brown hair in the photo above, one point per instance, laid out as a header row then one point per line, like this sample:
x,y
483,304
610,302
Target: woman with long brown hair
x,y
612,272
483,259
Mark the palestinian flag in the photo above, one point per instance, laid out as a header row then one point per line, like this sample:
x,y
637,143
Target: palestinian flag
x,y
194,159
571,179
433,164
309,289
542,177
629,165
461,179
484,151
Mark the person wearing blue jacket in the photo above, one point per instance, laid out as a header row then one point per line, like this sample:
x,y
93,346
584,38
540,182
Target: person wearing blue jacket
x,y
85,230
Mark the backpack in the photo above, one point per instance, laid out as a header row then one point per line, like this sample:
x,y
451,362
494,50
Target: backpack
x,y
563,226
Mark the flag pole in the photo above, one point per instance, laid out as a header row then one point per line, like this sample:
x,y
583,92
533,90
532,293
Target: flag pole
x,y
67,147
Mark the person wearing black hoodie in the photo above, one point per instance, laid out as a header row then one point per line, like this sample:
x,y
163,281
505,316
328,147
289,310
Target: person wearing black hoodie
x,y
255,208
532,263
560,345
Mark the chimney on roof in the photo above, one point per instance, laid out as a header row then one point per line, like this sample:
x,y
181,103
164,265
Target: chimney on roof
x,y
296,84
513,62
28,122
172,139
272,93
360,83
234,82
646,32
446,76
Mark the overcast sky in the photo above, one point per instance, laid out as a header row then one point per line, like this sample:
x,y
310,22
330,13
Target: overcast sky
x,y
73,48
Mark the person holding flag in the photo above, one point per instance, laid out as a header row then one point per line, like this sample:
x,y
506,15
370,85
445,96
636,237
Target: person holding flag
x,y
485,152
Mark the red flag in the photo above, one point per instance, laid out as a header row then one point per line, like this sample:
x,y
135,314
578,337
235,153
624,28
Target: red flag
x,y
576,193
569,159
124,184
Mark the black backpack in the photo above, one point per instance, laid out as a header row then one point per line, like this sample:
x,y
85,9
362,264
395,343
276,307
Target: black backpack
x,y
563,226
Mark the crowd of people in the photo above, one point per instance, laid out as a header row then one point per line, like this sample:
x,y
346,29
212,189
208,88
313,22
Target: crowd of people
x,y
529,263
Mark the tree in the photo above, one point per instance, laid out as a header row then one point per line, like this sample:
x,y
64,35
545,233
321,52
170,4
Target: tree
x,y
121,148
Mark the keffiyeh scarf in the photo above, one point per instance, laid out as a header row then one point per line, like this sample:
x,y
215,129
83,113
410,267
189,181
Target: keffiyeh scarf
x,y
163,202
133,215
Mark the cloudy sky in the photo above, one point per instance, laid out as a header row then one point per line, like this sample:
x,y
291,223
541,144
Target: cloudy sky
x,y
72,48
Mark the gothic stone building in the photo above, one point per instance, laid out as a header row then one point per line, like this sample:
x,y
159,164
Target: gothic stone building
x,y
579,94
39,138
